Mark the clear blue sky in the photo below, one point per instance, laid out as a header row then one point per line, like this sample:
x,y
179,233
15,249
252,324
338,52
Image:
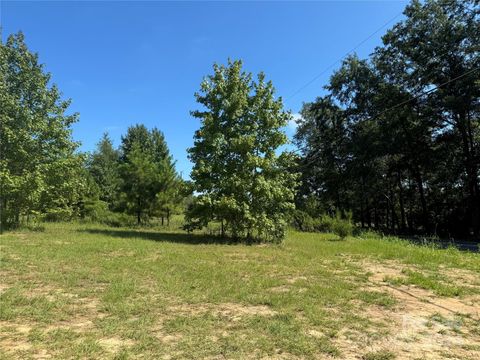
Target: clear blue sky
x,y
141,62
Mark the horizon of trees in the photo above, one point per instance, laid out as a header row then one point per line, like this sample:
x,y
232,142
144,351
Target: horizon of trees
x,y
397,138
395,144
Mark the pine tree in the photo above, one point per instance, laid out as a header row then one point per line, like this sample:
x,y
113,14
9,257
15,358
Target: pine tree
x,y
103,166
147,172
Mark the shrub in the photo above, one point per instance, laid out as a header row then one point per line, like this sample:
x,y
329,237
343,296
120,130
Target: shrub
x,y
97,211
304,222
117,219
94,210
342,227
57,214
324,224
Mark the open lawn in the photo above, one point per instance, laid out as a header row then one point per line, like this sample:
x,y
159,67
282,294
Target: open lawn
x,y
88,291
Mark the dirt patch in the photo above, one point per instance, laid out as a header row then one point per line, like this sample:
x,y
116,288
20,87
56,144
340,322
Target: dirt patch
x,y
3,288
381,271
13,337
280,289
114,344
315,333
18,328
422,325
229,310
14,345
294,279
465,277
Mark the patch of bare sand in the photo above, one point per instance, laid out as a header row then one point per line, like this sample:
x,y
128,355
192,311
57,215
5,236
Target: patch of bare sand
x,y
280,289
163,336
114,344
14,336
422,326
3,288
465,277
294,279
232,311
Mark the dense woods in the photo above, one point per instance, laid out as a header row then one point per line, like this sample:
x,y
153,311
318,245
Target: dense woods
x,y
393,146
396,139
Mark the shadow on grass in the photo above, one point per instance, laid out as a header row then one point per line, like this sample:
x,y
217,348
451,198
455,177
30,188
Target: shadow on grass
x,y
194,239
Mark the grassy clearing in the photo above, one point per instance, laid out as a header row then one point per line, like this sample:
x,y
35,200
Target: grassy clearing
x,y
89,291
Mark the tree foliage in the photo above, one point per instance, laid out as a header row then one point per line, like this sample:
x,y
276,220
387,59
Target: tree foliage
x,y
240,179
103,166
148,179
400,160
39,169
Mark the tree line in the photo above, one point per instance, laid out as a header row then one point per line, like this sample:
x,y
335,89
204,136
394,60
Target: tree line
x,y
392,146
42,173
396,140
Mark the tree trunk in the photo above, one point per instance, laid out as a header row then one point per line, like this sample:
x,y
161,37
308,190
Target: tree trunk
x,y
394,213
139,211
401,203
362,201
423,201
465,128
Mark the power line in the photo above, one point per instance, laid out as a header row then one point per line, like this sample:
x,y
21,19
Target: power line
x,y
427,92
424,93
344,56
349,52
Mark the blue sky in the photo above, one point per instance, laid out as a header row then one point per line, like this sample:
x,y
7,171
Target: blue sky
x,y
123,63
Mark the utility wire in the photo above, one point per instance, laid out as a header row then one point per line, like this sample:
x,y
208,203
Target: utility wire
x,y
424,93
340,59
348,53
427,92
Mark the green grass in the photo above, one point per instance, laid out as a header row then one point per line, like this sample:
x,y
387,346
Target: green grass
x,y
89,291
379,355
435,282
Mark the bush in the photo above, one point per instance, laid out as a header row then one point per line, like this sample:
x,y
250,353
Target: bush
x,y
342,227
97,211
117,219
304,222
93,210
57,214
324,224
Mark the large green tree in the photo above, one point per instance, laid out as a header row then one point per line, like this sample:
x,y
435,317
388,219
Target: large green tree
x,y
438,46
103,166
396,140
39,170
148,179
240,179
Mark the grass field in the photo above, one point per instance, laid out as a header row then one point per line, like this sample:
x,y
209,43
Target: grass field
x,y
88,291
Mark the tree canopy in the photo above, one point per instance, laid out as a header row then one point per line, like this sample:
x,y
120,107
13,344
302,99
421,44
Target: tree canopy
x,y
240,179
396,139
39,168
